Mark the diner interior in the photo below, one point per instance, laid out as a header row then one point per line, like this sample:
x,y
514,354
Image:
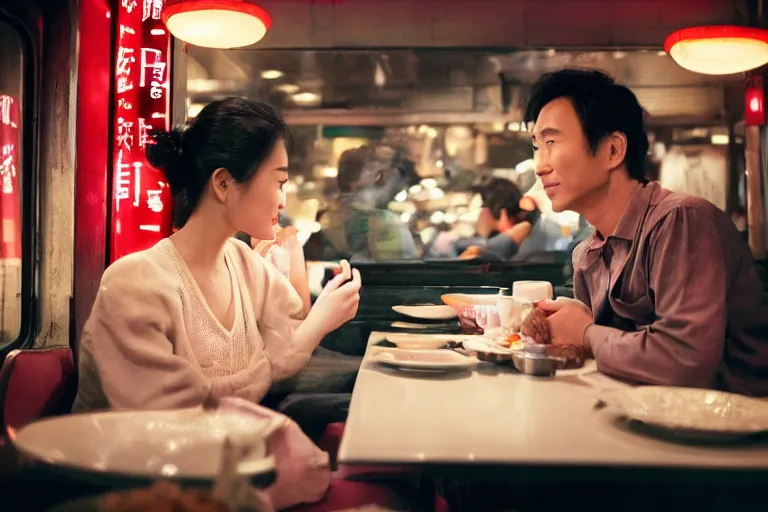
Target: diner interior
x,y
444,390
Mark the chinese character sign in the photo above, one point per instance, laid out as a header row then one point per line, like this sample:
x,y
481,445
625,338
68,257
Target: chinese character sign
x,y
10,205
141,202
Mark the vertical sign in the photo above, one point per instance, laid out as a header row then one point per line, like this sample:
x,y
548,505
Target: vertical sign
x,y
10,206
141,201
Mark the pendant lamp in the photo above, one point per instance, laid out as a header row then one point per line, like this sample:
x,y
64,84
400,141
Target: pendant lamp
x,y
216,23
719,49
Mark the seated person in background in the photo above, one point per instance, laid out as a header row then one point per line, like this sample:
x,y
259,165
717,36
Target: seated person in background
x,y
285,252
360,227
200,313
510,225
666,289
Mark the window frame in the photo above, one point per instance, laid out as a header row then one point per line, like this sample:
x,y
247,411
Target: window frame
x,y
28,182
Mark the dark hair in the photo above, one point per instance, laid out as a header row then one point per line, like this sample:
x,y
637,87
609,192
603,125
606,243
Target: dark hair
x,y
351,165
233,133
499,194
603,107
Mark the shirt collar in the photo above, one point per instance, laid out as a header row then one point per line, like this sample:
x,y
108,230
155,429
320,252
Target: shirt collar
x,y
632,216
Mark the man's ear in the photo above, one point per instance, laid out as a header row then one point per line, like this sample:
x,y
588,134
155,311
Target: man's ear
x,y
617,147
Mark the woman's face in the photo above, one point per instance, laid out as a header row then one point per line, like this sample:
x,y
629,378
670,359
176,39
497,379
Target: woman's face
x,y
253,206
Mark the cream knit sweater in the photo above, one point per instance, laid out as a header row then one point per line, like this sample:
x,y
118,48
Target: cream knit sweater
x,y
151,341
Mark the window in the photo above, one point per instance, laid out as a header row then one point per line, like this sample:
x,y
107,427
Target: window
x,y
12,163
442,125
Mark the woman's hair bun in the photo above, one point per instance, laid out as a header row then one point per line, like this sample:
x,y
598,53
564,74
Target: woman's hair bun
x,y
164,152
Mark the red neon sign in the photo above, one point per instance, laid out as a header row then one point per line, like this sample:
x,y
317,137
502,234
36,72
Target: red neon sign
x,y
10,206
754,101
141,198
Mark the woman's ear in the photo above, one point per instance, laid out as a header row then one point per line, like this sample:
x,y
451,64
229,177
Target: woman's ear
x,y
221,181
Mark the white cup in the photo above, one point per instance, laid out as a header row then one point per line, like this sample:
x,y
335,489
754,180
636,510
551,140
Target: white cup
x,y
532,290
524,293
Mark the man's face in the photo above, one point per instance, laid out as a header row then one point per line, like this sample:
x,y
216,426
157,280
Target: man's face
x,y
486,223
572,176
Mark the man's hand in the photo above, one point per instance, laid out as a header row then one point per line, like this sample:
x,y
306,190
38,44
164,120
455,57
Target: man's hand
x,y
568,320
471,252
519,231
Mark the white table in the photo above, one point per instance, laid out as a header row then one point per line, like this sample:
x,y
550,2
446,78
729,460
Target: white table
x,y
497,416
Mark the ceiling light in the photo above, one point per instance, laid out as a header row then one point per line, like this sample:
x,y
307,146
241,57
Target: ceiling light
x,y
287,88
306,98
271,74
216,23
718,50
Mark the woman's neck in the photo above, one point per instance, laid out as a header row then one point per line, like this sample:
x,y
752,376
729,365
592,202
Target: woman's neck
x,y
201,240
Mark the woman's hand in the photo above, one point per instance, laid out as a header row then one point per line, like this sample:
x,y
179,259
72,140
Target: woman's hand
x,y
294,266
338,302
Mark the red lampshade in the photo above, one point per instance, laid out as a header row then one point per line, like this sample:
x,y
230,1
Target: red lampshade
x,y
718,50
216,23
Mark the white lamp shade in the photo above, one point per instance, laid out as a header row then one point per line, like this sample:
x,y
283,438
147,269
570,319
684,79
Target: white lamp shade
x,y
216,23
718,50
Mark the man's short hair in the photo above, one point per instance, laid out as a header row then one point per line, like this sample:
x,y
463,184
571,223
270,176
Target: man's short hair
x,y
499,194
350,167
603,107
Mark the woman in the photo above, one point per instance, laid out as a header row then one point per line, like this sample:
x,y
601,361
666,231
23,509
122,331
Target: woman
x,y
200,313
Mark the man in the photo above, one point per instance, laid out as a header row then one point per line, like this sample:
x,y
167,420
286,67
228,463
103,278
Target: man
x,y
667,292
510,226
360,228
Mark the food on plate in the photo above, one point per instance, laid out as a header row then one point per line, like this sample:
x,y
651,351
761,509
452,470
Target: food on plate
x,y
162,497
512,342
536,327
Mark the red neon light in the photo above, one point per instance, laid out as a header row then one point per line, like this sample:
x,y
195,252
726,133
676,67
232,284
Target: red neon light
x,y
142,204
10,205
754,101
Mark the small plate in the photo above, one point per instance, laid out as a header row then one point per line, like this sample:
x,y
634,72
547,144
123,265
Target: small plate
x,y
408,341
439,312
691,412
424,360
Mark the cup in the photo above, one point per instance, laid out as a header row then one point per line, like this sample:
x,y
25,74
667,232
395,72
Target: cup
x,y
533,291
525,294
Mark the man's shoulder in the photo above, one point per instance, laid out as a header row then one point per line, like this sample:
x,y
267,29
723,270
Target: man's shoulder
x,y
668,202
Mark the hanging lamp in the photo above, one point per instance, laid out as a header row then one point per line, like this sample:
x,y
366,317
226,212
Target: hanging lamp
x,y
216,23
718,49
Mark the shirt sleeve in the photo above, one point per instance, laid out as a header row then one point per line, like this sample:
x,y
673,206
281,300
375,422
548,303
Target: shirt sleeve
x,y
501,246
128,339
688,282
281,314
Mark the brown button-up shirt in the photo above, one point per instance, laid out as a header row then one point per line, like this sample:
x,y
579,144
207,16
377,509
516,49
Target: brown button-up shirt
x,y
675,297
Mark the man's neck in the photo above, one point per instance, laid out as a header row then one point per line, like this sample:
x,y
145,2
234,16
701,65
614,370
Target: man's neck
x,y
606,207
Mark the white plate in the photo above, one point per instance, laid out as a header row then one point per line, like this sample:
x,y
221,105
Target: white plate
x,y
182,444
689,411
433,360
440,312
410,341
